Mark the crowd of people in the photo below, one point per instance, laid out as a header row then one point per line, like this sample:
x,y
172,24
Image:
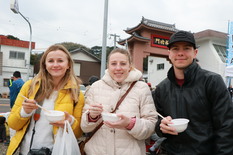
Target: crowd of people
x,y
188,92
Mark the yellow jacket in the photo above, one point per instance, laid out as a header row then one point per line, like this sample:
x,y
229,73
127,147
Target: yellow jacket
x,y
62,103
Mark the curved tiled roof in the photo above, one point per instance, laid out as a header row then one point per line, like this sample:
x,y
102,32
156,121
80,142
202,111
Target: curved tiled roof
x,y
141,37
152,24
160,25
134,36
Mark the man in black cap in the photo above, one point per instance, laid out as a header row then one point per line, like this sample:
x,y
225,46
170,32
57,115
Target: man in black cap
x,y
15,87
198,95
14,90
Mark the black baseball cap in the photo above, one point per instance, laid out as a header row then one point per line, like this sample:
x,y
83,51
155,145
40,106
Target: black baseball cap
x,y
182,36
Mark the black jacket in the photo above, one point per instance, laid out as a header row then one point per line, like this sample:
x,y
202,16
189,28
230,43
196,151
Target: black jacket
x,y
205,101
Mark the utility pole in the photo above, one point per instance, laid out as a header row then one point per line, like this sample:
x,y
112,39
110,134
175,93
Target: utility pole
x,y
115,36
104,41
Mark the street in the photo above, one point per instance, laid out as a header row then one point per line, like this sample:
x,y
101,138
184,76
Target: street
x,y
4,105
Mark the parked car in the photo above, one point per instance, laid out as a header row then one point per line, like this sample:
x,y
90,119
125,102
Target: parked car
x,y
82,88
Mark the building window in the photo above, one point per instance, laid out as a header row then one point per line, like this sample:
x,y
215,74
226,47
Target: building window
x,y
160,66
5,82
77,68
17,55
221,50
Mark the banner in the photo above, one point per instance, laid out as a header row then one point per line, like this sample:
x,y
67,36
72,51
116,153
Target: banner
x,y
229,50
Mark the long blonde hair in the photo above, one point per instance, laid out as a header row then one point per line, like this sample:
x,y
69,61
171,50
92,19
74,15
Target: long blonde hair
x,y
45,79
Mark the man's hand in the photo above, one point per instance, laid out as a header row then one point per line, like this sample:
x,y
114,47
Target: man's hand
x,y
167,129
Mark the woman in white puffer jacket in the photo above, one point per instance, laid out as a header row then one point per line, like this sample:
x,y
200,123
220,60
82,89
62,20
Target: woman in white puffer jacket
x,y
137,111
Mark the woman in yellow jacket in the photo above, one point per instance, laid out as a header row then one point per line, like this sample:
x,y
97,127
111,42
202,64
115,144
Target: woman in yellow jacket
x,y
56,88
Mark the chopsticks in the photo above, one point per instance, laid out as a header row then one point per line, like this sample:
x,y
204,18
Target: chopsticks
x,y
160,115
37,105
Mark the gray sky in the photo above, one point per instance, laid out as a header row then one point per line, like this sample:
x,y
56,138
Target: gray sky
x,y
81,21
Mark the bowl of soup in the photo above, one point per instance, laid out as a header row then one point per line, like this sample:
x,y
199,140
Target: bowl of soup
x,y
180,124
54,115
110,117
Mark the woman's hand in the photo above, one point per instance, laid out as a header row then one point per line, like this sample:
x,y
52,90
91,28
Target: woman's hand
x,y
29,105
165,128
61,124
121,124
95,110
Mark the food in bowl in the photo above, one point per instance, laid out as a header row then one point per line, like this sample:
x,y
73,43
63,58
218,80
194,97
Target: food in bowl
x,y
180,124
54,115
110,117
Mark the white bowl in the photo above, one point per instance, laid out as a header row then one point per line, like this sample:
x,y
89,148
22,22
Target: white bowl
x,y
180,124
54,115
110,117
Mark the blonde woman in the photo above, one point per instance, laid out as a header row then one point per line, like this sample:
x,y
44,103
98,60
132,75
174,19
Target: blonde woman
x,y
136,112
55,87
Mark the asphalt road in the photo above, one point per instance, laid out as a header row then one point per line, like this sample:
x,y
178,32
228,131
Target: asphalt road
x,y
4,105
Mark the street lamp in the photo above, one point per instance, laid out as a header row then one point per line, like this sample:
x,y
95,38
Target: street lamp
x,y
15,8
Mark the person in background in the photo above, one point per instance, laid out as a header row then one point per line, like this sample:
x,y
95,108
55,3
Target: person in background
x,y
15,84
10,81
2,130
55,87
15,87
157,140
198,95
137,112
230,89
149,85
91,80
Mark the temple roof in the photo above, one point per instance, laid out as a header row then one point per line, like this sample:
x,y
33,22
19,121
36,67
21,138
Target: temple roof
x,y
146,24
134,37
151,24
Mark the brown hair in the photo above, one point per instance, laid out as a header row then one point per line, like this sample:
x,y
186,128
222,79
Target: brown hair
x,y
122,51
46,84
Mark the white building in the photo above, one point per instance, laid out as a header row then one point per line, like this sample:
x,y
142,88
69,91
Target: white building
x,y
14,55
212,50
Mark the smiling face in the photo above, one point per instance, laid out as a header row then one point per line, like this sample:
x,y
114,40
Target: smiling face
x,y
56,63
118,66
182,54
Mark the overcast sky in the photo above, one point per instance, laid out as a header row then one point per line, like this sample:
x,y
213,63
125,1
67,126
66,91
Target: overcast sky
x,y
81,21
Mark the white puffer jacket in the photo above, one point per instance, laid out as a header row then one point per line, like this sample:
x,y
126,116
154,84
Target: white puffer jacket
x,y
138,103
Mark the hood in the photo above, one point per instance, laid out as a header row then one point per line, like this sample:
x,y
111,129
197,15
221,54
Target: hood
x,y
134,75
